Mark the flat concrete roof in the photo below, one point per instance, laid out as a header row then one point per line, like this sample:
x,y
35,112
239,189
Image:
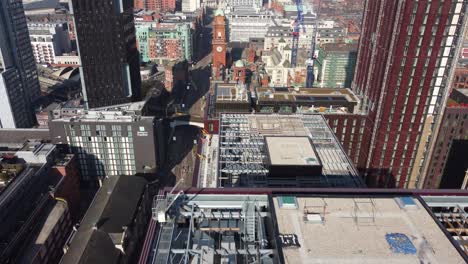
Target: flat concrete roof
x,y
291,151
311,94
354,230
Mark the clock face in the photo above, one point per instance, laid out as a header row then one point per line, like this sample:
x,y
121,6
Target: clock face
x,y
219,49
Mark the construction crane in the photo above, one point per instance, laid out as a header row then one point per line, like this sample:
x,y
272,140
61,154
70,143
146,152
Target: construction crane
x,y
312,56
297,24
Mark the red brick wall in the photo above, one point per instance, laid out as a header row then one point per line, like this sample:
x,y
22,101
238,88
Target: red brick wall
x,y
69,189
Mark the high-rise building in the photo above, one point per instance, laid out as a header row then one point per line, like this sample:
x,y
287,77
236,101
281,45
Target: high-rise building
x,y
111,142
105,32
448,160
19,85
406,59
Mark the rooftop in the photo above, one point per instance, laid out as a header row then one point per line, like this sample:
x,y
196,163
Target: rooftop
x,y
362,230
206,228
230,93
246,156
342,99
116,113
41,4
306,225
57,212
291,151
340,47
20,135
112,209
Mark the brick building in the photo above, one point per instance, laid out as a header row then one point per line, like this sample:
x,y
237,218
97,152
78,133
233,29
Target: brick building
x,y
163,42
139,4
405,60
54,228
176,75
460,78
219,44
448,161
160,6
37,228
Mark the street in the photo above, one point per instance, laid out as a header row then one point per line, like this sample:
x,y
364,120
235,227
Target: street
x,y
182,146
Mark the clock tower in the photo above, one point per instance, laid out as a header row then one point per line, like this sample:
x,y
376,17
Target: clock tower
x,y
219,44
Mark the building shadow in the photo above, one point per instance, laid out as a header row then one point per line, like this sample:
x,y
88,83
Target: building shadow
x,y
181,145
380,178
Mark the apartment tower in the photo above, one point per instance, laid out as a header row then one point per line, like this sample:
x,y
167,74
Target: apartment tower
x,y
19,84
109,68
406,59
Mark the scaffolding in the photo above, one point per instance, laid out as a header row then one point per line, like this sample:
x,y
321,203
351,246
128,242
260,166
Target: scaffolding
x,y
451,213
364,211
243,154
315,213
204,228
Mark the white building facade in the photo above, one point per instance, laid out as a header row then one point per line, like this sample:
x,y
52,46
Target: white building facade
x,y
49,40
190,5
245,23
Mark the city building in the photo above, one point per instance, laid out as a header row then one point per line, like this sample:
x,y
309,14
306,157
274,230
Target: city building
x,y
340,107
190,5
159,6
37,228
332,35
113,228
406,60
244,23
447,167
219,45
170,42
276,33
142,35
282,31
49,40
41,7
19,85
66,60
54,229
276,225
162,42
195,21
227,228
44,12
447,210
17,136
109,60
279,69
56,110
461,78
256,150
111,142
336,65
256,4
176,75
58,84
139,4
305,100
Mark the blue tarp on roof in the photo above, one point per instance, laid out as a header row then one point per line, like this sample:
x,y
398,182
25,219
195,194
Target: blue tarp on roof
x,y
400,243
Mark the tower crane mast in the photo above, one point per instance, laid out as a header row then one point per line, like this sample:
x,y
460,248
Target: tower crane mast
x,y
297,24
312,56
